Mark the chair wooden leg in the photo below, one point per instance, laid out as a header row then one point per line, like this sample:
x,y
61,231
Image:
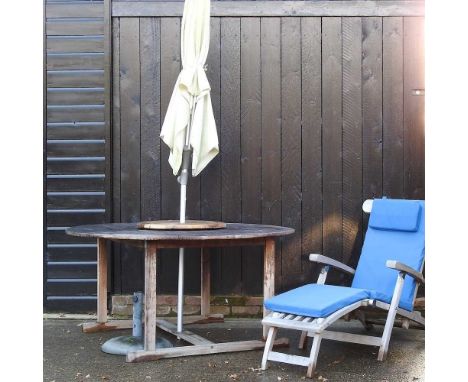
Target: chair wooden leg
x,y
314,351
391,318
302,340
268,346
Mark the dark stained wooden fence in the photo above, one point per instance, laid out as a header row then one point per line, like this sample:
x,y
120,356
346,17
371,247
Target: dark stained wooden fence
x,y
315,114
77,130
319,106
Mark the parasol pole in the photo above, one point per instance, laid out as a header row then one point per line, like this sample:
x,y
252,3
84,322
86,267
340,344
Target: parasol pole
x,y
183,180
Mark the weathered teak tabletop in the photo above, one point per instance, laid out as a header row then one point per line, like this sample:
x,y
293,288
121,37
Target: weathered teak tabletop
x,y
233,235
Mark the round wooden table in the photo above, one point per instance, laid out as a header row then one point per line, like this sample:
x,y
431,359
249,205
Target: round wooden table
x,y
235,234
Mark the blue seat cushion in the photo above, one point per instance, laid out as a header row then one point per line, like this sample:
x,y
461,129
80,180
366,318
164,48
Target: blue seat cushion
x,y
376,295
395,215
315,300
381,245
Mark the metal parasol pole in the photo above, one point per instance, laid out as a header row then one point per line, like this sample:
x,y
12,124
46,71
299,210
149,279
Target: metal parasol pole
x,y
183,180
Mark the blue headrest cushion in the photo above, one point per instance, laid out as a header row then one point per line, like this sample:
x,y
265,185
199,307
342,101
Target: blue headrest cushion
x,y
395,215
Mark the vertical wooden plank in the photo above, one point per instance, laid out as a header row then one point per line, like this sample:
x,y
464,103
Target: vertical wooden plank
x,y
150,296
311,36
131,260
352,138
116,109
271,126
205,277
372,106
392,113
414,107
291,177
332,136
170,191
251,150
268,274
44,162
107,30
150,59
211,176
101,281
210,179
230,149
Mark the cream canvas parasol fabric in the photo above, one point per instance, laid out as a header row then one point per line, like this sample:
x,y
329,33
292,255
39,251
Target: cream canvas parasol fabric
x,y
192,94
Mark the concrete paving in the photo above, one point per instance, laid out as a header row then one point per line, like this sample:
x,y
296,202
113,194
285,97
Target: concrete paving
x,y
70,355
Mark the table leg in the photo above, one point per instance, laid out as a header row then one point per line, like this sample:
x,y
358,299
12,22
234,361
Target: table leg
x,y
268,274
101,281
150,296
102,324
205,282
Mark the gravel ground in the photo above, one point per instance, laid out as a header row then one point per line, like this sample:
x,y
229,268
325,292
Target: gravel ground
x,y
70,355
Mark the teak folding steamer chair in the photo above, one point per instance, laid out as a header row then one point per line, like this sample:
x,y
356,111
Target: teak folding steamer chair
x,y
387,277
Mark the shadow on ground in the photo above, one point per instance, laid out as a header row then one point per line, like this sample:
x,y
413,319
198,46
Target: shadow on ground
x,y
70,355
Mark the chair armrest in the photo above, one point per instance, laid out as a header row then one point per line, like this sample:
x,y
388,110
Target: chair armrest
x,y
334,263
393,264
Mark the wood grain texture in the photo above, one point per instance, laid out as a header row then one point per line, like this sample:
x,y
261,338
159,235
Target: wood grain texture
x,y
70,200
71,61
130,231
268,275
413,108
75,78
130,149
116,143
75,96
150,296
210,178
108,72
130,119
352,138
205,277
251,143
183,351
81,130
372,107
75,182
230,133
271,126
75,44
83,10
150,60
332,136
250,98
74,27
75,148
75,113
287,8
77,151
311,98
76,165
392,112
177,225
291,174
102,281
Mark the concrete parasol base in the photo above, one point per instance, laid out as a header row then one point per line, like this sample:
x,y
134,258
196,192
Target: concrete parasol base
x,y
125,344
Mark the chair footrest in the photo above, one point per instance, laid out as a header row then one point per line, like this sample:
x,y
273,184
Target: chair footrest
x,y
291,322
288,358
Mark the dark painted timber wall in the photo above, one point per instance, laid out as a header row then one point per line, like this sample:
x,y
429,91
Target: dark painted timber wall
x,y
319,106
77,130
